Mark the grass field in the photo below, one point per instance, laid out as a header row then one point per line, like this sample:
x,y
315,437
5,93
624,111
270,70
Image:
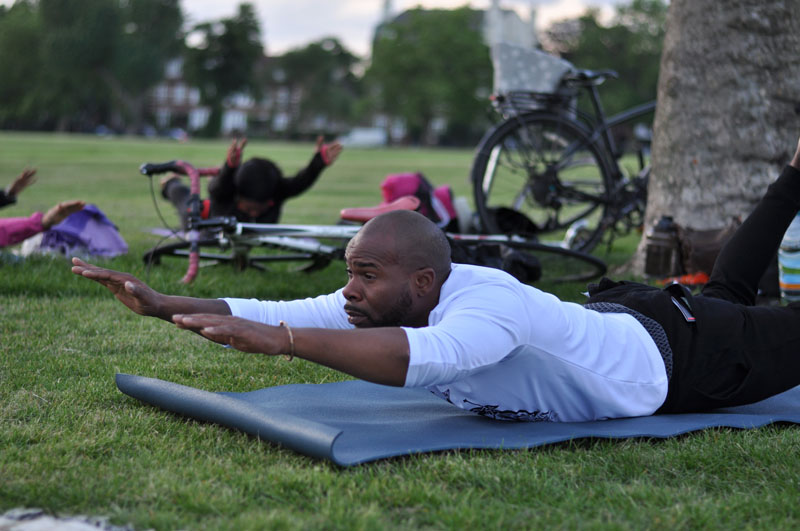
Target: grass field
x,y
71,443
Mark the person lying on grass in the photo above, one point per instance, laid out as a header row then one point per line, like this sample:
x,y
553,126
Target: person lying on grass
x,y
481,340
15,230
253,191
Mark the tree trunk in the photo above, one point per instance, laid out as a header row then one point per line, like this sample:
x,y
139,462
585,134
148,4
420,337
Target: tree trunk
x,y
727,117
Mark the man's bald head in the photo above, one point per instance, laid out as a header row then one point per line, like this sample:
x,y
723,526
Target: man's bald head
x,y
416,241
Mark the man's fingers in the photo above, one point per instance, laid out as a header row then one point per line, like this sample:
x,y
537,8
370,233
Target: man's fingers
x,y
105,276
216,334
80,266
199,319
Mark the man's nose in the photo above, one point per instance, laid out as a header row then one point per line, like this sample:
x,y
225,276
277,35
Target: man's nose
x,y
351,291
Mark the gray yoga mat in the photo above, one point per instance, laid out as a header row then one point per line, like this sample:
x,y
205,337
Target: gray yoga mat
x,y
355,422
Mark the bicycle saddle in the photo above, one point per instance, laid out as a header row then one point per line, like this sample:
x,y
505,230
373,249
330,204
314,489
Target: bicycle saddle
x,y
364,214
591,76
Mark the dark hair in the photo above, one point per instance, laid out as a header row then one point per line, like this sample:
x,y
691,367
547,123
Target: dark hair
x,y
257,179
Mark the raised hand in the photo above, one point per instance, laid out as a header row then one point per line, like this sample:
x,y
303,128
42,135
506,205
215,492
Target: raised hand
x,y
128,289
23,180
330,152
234,157
241,334
60,212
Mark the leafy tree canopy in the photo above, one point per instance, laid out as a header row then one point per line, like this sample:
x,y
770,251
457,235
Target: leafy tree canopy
x,y
222,62
323,72
431,63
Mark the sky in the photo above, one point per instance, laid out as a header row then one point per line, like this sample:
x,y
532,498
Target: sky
x,y
290,24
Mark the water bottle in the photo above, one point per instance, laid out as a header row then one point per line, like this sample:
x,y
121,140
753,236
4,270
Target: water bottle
x,y
789,262
662,251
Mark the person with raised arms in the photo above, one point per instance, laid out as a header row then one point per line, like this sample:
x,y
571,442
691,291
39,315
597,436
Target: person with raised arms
x,y
481,340
16,229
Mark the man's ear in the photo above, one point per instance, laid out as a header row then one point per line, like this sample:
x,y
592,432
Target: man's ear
x,y
424,281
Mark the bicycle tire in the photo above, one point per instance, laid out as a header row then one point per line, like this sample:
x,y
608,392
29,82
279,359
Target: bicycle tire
x,y
556,264
546,167
308,261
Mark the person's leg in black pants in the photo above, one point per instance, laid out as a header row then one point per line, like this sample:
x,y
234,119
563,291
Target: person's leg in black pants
x,y
178,194
746,256
755,350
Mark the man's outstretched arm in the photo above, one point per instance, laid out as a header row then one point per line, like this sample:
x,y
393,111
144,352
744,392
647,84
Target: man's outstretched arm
x,y
378,355
144,300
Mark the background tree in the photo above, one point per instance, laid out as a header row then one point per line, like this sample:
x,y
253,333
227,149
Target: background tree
x,y
77,40
320,76
70,64
429,64
223,62
19,64
150,36
727,108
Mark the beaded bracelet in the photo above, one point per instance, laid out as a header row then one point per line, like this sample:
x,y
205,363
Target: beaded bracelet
x,y
290,356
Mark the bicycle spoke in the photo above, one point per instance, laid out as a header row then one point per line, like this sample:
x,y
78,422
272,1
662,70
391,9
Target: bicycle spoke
x,y
545,168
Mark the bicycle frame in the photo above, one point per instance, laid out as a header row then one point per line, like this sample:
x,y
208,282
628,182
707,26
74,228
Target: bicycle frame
x,y
600,125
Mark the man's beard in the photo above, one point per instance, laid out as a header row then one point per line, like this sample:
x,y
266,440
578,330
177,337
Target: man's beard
x,y
394,316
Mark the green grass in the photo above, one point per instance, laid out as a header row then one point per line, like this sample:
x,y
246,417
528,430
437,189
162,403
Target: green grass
x,y
71,443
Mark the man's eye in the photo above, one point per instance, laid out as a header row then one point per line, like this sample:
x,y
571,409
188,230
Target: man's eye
x,y
370,276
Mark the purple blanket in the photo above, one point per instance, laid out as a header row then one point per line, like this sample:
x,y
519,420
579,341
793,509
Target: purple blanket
x,y
87,231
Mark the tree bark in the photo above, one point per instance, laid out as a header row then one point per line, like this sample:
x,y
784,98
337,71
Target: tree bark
x,y
727,114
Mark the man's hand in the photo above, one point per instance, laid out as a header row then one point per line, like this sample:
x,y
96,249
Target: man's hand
x,y
60,212
241,334
130,291
330,152
234,157
25,179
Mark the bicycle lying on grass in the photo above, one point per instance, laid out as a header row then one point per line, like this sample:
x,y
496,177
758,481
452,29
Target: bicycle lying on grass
x,y
225,240
558,165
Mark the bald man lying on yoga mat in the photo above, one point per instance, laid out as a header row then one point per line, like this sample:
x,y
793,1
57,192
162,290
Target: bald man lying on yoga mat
x,y
484,342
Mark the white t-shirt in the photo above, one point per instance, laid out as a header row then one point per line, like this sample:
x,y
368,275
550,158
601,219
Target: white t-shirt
x,y
508,350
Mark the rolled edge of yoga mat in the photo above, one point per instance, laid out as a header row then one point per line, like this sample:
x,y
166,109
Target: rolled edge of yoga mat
x,y
301,435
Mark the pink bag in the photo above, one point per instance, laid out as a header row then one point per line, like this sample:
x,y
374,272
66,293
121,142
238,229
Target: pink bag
x,y
435,203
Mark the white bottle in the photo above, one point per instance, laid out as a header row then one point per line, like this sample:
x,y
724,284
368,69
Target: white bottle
x,y
789,262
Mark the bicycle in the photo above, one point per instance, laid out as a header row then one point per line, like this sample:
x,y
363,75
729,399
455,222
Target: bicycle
x,y
315,246
560,166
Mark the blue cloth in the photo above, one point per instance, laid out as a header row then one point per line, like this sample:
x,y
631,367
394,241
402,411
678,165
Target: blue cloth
x,y
355,422
87,231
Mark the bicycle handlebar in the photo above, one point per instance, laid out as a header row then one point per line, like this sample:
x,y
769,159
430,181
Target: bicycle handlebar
x,y
176,166
152,168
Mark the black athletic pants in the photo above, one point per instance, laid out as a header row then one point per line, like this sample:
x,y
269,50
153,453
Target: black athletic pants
x,y
737,353
178,194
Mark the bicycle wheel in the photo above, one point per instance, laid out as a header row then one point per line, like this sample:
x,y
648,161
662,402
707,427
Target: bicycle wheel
x,y
530,261
241,258
546,168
